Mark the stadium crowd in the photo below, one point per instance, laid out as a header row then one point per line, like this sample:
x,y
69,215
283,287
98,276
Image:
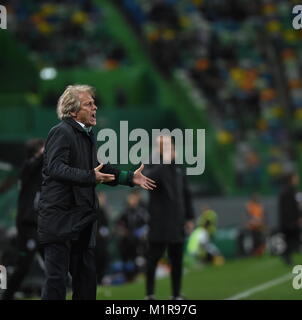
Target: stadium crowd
x,y
64,33
221,47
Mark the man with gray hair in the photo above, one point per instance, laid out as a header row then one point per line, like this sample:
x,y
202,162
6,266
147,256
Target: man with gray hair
x,y
67,218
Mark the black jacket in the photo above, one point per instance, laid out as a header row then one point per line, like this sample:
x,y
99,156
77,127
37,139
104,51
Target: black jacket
x,y
30,186
170,203
68,200
289,211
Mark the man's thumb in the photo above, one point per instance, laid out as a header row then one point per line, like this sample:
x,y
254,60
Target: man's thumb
x,y
141,168
99,167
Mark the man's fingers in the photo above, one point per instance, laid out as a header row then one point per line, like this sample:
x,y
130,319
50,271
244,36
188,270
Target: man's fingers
x,y
99,167
151,184
108,177
148,186
104,177
151,181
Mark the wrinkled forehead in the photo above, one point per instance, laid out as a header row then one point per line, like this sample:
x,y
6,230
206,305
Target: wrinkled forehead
x,y
85,97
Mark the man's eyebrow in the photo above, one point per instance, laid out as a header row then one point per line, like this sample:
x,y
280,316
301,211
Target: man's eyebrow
x,y
88,101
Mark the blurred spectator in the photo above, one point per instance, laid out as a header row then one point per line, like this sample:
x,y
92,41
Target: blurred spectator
x,y
221,47
26,221
7,183
290,216
51,31
102,254
208,221
201,244
121,99
132,230
256,224
164,43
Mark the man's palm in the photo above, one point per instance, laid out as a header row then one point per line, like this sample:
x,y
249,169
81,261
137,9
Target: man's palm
x,y
142,181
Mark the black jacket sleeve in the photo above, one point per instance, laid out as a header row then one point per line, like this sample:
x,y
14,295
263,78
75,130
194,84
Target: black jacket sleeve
x,y
57,153
107,168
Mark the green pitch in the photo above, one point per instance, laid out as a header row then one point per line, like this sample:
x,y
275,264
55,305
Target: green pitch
x,y
263,278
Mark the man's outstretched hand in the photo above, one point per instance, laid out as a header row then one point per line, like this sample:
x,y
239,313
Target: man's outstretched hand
x,y
103,177
142,181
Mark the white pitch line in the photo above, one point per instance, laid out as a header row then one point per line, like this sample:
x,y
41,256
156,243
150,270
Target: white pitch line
x,y
261,287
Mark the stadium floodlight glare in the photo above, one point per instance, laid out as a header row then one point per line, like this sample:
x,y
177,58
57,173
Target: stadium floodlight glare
x,y
48,73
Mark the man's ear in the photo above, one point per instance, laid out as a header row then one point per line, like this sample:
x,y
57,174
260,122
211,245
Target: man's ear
x,y
73,114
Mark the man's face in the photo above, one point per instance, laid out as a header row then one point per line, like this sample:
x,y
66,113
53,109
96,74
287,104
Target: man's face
x,y
87,112
295,180
166,148
133,200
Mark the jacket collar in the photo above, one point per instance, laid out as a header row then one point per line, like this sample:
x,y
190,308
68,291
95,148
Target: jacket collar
x,y
74,124
77,126
87,129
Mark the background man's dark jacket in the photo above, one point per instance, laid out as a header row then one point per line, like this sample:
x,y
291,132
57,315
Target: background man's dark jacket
x,y
30,186
133,218
68,200
170,203
289,212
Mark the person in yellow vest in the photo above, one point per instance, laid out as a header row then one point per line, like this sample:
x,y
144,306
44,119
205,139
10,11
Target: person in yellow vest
x,y
201,245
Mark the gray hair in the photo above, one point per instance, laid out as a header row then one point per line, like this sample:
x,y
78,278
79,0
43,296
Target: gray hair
x,y
69,100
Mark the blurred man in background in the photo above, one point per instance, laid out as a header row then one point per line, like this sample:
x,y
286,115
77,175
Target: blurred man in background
x,y
290,216
26,222
256,224
171,216
102,237
131,229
